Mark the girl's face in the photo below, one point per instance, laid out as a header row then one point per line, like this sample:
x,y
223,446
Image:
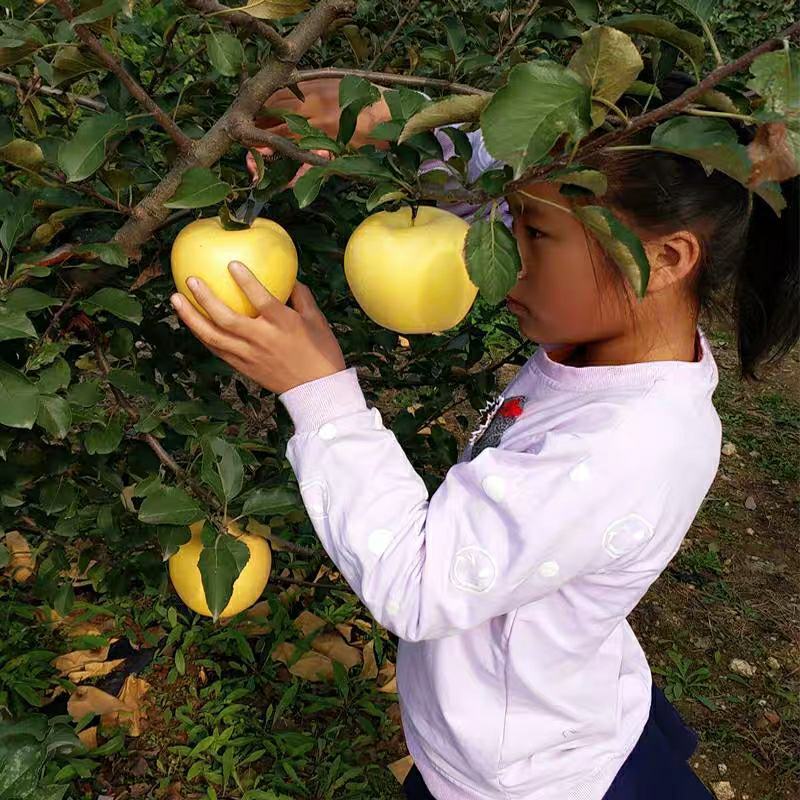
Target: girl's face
x,y
567,295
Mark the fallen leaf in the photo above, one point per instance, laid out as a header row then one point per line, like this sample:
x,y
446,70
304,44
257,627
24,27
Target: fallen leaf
x,y
345,630
387,682
393,712
21,562
147,275
401,768
370,668
131,713
390,687
95,670
126,495
91,700
403,342
88,737
307,623
255,622
69,662
312,666
337,649
774,153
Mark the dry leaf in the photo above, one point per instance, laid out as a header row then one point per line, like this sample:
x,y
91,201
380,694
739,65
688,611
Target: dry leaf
x,y
307,623
273,9
312,666
255,622
126,496
337,649
363,625
775,154
393,712
95,670
403,342
21,562
131,714
387,682
345,630
401,768
91,700
88,737
69,662
147,275
390,687
370,668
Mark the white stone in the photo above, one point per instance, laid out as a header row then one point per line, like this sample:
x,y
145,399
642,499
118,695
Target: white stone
x,y
327,432
729,449
740,667
750,503
315,497
549,569
379,540
495,487
580,473
626,534
723,790
773,663
473,570
722,769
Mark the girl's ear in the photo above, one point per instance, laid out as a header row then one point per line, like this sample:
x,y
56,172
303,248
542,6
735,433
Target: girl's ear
x,y
672,258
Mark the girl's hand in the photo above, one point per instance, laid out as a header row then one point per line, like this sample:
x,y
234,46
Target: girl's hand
x,y
280,349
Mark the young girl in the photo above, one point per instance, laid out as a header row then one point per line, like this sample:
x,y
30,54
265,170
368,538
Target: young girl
x,y
518,675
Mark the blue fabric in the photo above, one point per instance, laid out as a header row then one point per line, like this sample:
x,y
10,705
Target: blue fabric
x,y
656,769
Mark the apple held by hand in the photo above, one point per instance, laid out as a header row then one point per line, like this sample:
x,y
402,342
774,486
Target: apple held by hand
x,y
184,573
409,275
204,249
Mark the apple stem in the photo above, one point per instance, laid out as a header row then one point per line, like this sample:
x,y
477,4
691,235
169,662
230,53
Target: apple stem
x,y
414,209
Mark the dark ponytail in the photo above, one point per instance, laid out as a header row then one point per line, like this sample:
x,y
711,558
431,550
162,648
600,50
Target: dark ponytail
x,y
767,285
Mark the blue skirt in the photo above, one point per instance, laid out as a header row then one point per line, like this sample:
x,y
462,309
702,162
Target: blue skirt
x,y
656,769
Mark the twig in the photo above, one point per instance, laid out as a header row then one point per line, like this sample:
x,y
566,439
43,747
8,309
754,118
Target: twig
x,y
241,20
136,90
661,113
88,191
291,547
386,79
518,30
393,35
58,94
286,581
65,306
248,134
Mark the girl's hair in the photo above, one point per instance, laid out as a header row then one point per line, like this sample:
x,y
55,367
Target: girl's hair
x,y
750,257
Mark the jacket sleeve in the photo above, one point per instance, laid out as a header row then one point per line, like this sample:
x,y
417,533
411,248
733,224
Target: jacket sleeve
x,y
501,531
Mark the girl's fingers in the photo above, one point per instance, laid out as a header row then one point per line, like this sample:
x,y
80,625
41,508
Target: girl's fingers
x,y
221,314
214,338
267,305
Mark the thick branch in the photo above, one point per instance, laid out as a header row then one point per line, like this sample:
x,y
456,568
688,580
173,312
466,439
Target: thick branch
x,y
58,94
242,20
519,29
136,91
150,212
662,112
387,79
249,135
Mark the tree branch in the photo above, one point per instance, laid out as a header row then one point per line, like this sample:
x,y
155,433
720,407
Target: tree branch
x,y
150,212
662,112
242,20
136,90
518,30
249,135
58,94
393,35
387,79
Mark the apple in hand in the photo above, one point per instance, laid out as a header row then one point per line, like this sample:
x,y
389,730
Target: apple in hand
x,y
409,275
204,249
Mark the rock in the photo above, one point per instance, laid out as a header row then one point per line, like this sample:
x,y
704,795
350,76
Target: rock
x,y
741,667
773,718
723,790
722,768
729,449
773,663
749,531
754,454
750,503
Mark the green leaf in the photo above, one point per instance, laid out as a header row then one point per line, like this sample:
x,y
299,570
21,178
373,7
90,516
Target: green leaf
x,y
274,9
354,95
169,506
180,662
702,9
492,258
404,103
82,155
222,468
107,9
5,557
15,325
458,108
456,34
461,143
55,415
358,166
664,30
621,244
384,193
116,302
267,502
308,186
776,78
171,537
56,376
84,395
585,10
104,439
25,300
22,153
64,599
225,52
132,383
56,496
199,187
147,486
541,102
591,180
19,399
18,220
70,62
220,565
608,62
107,252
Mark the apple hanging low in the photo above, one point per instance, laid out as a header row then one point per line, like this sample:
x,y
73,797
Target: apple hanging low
x,y
409,274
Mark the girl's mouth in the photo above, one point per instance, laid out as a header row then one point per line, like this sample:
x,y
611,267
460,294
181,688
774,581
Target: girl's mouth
x,y
514,307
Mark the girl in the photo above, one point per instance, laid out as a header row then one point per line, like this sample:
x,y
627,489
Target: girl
x,y
519,677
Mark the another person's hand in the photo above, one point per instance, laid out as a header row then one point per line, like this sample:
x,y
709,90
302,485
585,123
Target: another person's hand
x,y
321,109
280,349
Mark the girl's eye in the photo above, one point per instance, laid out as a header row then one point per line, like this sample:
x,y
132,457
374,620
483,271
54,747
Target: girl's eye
x,y
534,233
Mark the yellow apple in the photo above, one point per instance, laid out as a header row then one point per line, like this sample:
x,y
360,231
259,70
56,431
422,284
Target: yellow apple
x,y
410,275
184,573
204,249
